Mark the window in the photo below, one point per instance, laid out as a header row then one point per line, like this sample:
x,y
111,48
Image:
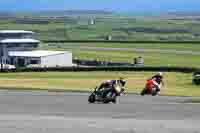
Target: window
x,y
13,45
34,62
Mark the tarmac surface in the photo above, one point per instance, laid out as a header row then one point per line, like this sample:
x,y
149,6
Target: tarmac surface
x,y
140,50
59,112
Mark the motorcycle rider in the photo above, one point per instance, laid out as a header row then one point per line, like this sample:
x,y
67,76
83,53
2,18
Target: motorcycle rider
x,y
155,81
110,84
159,79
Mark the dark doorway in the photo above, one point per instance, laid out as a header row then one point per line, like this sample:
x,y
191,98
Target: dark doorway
x,y
12,61
21,62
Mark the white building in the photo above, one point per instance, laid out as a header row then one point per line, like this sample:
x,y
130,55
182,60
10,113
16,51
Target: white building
x,y
16,40
17,47
41,58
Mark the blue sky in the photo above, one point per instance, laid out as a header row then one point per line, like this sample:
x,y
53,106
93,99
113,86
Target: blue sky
x,y
110,5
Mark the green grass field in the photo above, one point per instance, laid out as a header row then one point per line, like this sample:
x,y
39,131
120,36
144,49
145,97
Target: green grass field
x,y
150,58
176,83
128,28
120,29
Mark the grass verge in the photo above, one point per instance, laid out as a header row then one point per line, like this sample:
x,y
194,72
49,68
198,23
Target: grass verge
x,y
178,84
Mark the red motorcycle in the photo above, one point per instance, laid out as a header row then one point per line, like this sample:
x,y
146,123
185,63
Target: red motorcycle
x,y
151,88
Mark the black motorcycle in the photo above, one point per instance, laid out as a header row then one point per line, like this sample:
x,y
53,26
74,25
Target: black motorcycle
x,y
106,95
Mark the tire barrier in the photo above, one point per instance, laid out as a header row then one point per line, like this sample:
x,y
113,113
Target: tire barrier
x,y
100,63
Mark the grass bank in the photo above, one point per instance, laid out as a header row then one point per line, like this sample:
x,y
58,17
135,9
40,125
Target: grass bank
x,y
176,83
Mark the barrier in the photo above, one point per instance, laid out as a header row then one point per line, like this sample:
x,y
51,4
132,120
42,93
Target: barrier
x,y
100,63
107,68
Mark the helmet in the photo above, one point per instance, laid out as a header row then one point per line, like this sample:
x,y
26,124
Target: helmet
x,y
160,74
122,81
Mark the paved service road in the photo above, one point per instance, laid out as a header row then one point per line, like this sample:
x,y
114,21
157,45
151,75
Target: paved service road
x,y
164,51
43,112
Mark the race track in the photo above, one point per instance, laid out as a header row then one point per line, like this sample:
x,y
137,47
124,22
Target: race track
x,y
51,112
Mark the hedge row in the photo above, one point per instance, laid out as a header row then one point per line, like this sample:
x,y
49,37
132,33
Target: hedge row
x,y
63,69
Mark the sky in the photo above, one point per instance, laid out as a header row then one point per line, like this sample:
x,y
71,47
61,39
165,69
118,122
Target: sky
x,y
108,5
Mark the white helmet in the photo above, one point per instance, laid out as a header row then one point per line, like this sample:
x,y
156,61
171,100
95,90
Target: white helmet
x,y
160,74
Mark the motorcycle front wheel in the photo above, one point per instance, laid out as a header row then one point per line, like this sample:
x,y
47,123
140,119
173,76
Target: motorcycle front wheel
x,y
92,98
143,92
114,101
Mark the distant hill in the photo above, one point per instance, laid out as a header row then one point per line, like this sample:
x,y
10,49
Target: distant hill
x,y
70,12
77,12
52,13
61,13
184,14
6,14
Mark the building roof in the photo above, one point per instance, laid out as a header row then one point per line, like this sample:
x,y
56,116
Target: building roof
x,y
36,53
15,31
26,40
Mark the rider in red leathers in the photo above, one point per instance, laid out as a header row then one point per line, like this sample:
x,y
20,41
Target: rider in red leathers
x,y
154,84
